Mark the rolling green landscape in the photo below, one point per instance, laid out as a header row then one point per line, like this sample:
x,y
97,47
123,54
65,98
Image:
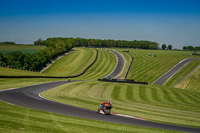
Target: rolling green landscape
x,y
176,105
91,66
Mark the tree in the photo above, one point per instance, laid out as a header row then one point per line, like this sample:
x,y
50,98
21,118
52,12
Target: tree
x,y
7,43
190,48
60,47
185,48
39,42
15,59
2,60
164,46
197,48
169,47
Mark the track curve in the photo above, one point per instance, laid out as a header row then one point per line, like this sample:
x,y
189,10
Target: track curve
x,y
120,65
173,71
30,97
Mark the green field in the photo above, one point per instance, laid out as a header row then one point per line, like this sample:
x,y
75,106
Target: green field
x,y
148,68
15,119
72,64
104,65
21,48
16,72
155,103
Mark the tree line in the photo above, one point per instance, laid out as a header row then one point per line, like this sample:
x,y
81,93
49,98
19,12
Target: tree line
x,y
164,46
38,60
191,48
79,42
7,43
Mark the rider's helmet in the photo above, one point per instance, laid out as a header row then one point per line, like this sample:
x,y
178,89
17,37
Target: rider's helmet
x,y
109,101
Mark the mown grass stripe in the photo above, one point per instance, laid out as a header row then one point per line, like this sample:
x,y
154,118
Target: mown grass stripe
x,y
116,93
155,95
142,93
179,98
136,94
129,93
107,93
167,97
72,64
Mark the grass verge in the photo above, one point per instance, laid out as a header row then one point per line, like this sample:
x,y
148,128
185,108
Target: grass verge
x,y
7,83
16,72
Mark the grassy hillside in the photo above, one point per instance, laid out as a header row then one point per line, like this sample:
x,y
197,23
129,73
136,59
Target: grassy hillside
x,y
191,83
155,103
16,72
186,70
22,48
72,64
104,65
15,119
148,68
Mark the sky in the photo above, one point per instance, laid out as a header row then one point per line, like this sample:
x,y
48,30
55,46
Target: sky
x,y
173,22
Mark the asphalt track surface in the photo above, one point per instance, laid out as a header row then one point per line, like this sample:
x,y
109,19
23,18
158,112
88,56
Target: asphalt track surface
x,y
173,71
30,97
120,65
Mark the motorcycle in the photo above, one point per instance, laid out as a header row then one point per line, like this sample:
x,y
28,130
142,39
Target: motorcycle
x,y
106,110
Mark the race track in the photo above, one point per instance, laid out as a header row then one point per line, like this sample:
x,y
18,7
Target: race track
x,y
29,97
120,65
173,71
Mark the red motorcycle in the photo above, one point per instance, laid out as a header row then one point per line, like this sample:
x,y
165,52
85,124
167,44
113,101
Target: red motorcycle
x,y
105,109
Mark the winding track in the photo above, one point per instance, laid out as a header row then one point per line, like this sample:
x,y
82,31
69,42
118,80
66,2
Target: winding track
x,y
173,71
29,97
120,65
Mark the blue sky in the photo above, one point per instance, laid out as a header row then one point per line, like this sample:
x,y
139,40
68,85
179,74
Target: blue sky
x,y
175,22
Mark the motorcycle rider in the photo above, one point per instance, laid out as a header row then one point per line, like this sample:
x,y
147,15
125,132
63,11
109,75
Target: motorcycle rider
x,y
104,104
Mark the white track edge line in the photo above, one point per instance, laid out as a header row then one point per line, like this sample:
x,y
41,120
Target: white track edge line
x,y
124,63
115,66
